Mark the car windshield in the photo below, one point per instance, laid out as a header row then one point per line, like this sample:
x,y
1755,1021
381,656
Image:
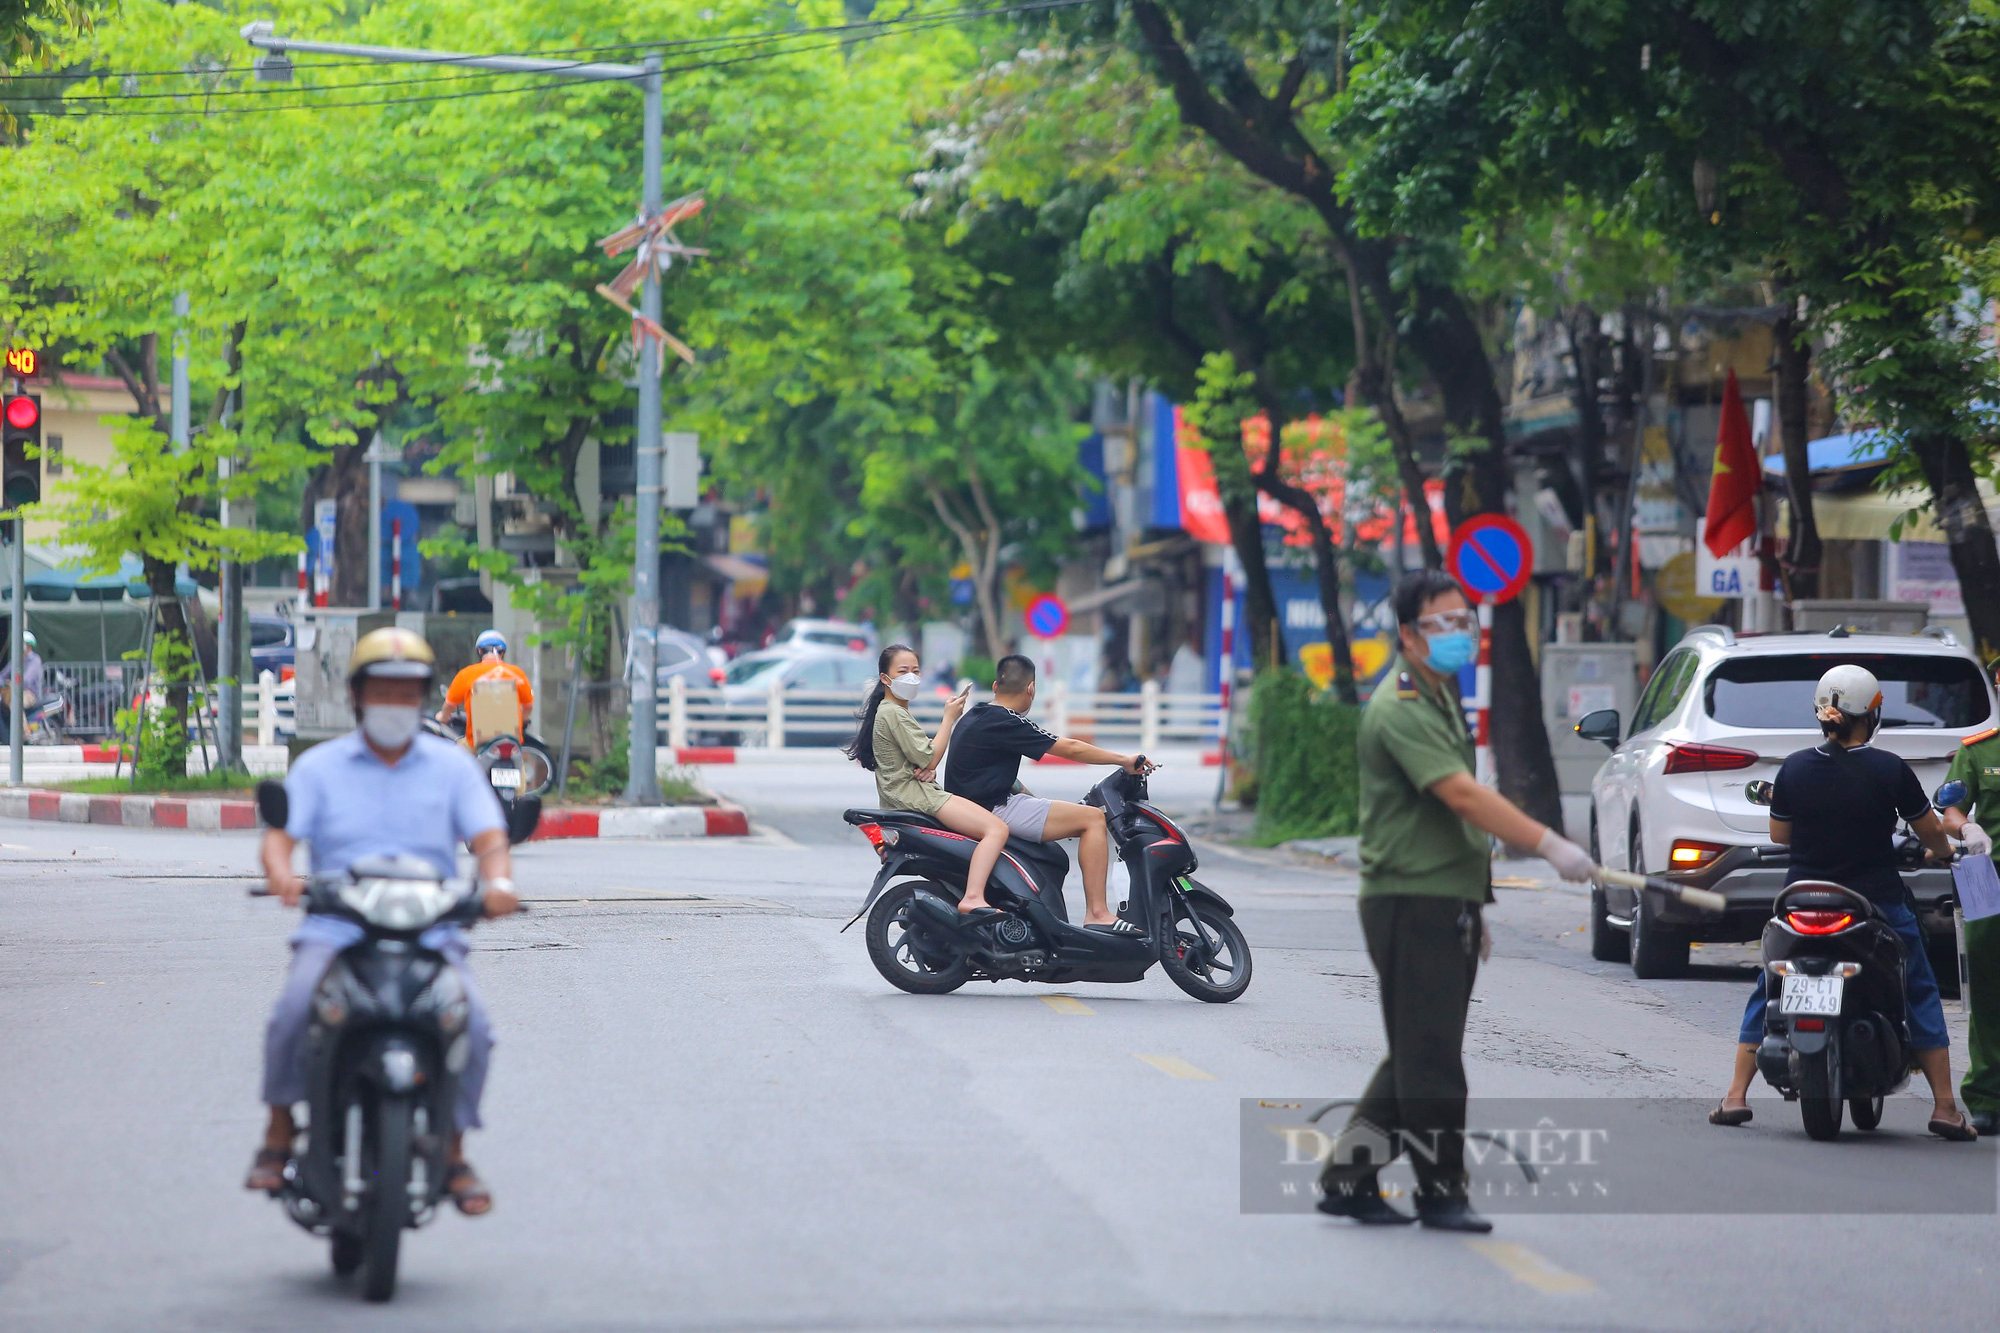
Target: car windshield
x,y
1778,691
747,669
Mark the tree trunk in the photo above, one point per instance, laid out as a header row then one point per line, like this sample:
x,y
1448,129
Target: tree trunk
x,y
1802,552
1374,376
1260,607
1947,467
344,480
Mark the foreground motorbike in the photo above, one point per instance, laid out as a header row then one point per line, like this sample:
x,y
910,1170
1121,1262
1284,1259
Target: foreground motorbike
x,y
1836,1032
919,942
383,1054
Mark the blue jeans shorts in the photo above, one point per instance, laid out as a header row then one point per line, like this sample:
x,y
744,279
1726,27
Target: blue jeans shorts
x,y
1920,989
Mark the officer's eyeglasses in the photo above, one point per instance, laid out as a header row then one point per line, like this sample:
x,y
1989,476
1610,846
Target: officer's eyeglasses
x,y
1446,622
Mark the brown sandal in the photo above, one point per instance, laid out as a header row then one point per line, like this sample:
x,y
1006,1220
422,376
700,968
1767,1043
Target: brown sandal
x,y
267,1171
467,1191
1729,1115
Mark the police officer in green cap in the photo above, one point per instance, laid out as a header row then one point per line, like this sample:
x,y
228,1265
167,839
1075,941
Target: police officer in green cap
x,y
1977,765
1425,873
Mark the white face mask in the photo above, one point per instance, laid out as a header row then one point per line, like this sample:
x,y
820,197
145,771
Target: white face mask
x,y
905,686
390,726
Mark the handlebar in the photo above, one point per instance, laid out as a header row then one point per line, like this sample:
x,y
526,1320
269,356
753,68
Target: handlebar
x,y
1705,899
264,891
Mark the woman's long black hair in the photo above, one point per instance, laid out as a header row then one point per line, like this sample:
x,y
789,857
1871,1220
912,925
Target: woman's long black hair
x,y
862,748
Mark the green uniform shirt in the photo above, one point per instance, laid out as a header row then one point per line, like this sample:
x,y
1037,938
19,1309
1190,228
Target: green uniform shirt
x,y
1411,842
1977,765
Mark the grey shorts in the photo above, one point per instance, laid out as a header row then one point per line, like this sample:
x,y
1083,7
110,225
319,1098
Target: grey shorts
x,y
1024,814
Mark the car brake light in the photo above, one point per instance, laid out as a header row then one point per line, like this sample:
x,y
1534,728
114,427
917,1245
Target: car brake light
x,y
1810,1024
1687,854
1707,759
1819,923
716,674
873,832
286,673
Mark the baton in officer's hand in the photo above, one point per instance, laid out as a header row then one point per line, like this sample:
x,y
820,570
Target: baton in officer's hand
x,y
1704,899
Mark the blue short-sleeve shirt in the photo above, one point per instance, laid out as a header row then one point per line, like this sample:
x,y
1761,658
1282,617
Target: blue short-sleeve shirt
x,y
347,804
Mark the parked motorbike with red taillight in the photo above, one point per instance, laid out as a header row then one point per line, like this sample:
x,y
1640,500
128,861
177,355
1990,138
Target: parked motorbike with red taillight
x,y
1836,1032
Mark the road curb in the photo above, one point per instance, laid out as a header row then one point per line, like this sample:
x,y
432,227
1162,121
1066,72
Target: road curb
x,y
207,815
69,807
672,821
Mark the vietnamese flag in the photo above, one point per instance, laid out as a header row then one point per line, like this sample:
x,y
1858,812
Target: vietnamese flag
x,y
1732,489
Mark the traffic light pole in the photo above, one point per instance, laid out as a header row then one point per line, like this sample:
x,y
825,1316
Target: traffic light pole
x,y
16,632
642,783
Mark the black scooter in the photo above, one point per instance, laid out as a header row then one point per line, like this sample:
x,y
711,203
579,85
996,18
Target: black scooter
x,y
383,1053
920,943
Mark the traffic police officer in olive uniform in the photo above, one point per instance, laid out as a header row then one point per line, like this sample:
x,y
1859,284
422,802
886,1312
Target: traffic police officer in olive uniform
x,y
1425,873
1977,765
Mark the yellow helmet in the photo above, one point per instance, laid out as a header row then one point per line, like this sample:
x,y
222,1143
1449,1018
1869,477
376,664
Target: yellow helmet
x,y
393,653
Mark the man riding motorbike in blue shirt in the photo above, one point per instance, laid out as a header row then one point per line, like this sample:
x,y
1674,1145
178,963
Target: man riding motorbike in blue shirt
x,y
384,789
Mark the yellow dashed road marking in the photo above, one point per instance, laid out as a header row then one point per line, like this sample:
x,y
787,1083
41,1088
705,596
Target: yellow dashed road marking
x,y
1063,1004
1525,1266
1174,1067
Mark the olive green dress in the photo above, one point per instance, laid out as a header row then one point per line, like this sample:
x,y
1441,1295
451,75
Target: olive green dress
x,y
901,748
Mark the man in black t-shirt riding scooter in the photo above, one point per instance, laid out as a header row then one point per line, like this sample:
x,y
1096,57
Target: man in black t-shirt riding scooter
x,y
984,766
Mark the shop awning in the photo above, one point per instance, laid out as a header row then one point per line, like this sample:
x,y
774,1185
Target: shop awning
x,y
746,577
1867,515
1859,448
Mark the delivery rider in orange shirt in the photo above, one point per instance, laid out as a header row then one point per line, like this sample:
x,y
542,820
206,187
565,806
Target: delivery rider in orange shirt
x,y
492,646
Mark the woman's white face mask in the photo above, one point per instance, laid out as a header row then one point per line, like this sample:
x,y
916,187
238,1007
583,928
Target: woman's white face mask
x,y
905,686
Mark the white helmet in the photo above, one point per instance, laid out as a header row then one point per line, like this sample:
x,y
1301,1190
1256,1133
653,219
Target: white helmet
x,y
1847,691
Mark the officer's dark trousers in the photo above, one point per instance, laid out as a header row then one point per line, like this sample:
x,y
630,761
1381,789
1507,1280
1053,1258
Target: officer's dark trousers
x,y
1426,952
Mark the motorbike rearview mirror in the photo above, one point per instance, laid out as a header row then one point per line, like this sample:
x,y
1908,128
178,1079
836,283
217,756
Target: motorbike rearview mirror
x,y
1758,792
273,806
1600,725
523,816
1949,794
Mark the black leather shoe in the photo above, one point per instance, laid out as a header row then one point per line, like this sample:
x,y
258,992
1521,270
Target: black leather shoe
x,y
1367,1207
1986,1122
1452,1215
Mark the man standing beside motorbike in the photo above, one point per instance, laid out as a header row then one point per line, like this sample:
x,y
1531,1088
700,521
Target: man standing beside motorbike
x,y
985,768
1426,870
1836,805
383,789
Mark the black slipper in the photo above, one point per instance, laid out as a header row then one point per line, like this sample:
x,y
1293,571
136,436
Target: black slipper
x,y
1729,1115
1955,1131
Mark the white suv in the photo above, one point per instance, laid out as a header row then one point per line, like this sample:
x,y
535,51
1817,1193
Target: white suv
x,y
1720,714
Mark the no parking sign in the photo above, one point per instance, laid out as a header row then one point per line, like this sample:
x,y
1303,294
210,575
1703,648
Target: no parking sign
x,y
1047,617
1491,557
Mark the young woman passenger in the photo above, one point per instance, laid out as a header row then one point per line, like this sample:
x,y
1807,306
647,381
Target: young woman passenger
x,y
890,742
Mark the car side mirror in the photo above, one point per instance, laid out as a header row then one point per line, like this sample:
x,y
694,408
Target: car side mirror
x,y
1758,792
274,807
1601,725
1950,794
523,817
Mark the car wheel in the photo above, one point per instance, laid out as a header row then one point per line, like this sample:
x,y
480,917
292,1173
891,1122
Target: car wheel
x,y
1607,943
1658,952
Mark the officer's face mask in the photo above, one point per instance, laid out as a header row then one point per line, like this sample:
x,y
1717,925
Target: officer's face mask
x,y
1449,651
905,686
390,726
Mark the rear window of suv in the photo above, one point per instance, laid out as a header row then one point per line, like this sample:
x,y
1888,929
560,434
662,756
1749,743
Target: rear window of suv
x,y
1943,692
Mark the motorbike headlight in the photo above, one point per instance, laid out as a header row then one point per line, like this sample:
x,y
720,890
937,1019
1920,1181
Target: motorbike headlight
x,y
398,904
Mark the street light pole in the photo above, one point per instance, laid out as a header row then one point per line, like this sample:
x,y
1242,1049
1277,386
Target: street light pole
x,y
642,783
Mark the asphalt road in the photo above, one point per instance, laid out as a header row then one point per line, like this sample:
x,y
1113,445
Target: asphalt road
x,y
708,1112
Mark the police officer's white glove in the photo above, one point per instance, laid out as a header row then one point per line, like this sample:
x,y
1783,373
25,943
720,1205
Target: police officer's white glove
x,y
1571,861
1977,840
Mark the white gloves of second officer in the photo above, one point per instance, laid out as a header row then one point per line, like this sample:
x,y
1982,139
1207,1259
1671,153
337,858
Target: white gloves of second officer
x,y
1977,840
1571,861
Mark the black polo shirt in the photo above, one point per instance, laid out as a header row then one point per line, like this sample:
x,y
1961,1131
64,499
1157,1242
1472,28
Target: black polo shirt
x,y
983,761
1843,806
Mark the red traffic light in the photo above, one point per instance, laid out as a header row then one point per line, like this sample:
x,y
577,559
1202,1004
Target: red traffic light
x,y
23,412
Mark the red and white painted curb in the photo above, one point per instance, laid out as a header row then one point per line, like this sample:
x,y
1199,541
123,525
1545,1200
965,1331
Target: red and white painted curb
x,y
211,813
